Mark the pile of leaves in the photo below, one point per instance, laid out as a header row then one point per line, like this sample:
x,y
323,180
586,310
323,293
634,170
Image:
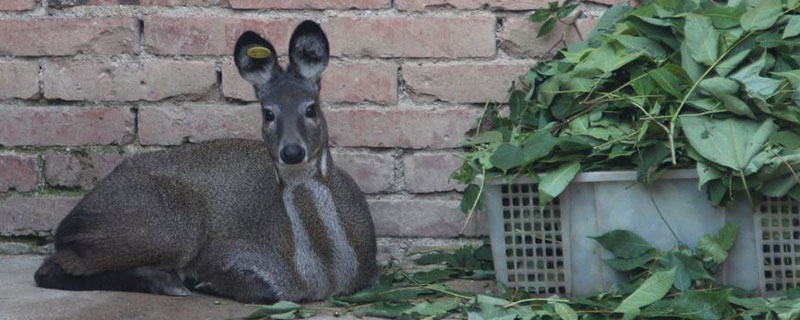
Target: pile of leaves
x,y
670,84
674,284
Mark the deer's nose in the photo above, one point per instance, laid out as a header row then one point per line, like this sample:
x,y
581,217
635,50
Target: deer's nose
x,y
292,154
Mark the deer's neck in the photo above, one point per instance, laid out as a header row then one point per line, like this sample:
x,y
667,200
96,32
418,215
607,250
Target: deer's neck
x,y
315,180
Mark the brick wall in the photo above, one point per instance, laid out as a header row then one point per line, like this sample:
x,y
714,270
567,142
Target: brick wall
x,y
85,83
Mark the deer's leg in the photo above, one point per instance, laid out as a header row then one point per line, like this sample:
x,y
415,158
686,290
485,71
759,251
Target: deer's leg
x,y
239,283
140,279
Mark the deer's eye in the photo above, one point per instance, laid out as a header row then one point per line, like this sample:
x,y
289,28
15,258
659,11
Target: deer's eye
x,y
268,115
311,111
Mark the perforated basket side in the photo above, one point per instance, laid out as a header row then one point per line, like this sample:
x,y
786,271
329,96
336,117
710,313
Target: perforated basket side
x,y
528,240
777,222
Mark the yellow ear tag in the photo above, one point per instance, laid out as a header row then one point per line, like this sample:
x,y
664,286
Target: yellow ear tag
x,y
259,52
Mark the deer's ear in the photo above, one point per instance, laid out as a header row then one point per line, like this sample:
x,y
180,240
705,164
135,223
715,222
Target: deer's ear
x,y
256,59
308,51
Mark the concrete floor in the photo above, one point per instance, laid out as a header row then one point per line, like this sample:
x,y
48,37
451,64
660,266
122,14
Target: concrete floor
x,y
20,299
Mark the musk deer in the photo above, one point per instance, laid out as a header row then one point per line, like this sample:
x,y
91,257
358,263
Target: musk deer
x,y
254,221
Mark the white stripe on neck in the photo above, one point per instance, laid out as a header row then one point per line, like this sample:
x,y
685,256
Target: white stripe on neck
x,y
305,259
344,257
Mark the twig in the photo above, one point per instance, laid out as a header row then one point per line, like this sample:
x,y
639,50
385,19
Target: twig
x,y
692,89
661,215
535,300
475,204
788,165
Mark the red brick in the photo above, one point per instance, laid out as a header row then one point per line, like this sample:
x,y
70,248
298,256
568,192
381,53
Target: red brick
x,y
341,82
421,217
451,37
310,4
19,79
113,81
405,127
518,37
374,172
174,125
73,3
64,126
469,82
79,169
421,5
209,35
17,5
68,36
430,171
33,216
18,173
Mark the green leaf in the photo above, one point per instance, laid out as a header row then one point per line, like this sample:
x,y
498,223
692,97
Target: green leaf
x,y
437,258
538,145
792,28
556,181
507,156
701,38
547,91
487,137
792,4
779,187
433,309
763,16
730,142
565,312
609,19
724,17
564,11
693,69
652,290
539,15
729,64
789,139
606,59
649,162
435,275
641,44
719,86
716,247
624,244
737,106
471,194
706,173
643,261
667,81
793,76
383,309
517,104
547,27
280,308
707,305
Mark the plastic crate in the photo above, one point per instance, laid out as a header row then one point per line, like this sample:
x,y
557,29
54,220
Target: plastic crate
x,y
549,251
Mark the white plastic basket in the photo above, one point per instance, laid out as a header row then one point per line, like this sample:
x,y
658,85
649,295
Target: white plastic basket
x,y
549,251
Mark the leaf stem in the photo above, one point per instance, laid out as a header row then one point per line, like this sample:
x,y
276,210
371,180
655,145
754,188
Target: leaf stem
x,y
535,300
746,188
475,203
692,89
435,288
661,215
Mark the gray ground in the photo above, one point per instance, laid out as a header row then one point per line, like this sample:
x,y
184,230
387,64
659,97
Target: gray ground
x,y
21,299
